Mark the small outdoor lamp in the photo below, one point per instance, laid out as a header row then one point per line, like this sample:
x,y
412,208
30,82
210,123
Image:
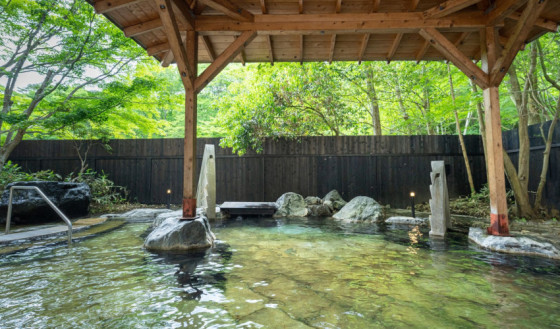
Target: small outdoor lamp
x,y
168,198
412,195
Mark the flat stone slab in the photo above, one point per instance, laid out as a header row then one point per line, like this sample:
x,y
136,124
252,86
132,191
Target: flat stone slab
x,y
404,220
513,245
249,208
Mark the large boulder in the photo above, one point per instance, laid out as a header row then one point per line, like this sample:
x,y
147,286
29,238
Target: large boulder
x,y
313,201
319,210
360,209
334,200
72,199
291,205
176,234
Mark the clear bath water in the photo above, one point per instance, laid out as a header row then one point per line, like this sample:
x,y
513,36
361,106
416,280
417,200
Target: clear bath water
x,y
279,273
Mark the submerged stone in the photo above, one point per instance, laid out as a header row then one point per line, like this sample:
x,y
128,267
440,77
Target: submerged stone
x,y
29,207
404,220
140,215
176,234
334,200
291,205
319,210
361,208
513,245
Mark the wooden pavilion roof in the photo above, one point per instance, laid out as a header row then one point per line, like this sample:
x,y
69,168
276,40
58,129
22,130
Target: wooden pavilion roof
x,y
330,30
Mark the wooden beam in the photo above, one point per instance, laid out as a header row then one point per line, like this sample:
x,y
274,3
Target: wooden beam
x,y
229,9
103,7
224,59
301,49
422,51
189,148
338,6
331,52
461,38
374,6
209,49
448,49
263,7
516,40
167,59
448,7
184,12
494,147
158,49
502,10
170,25
394,47
542,23
301,6
413,5
270,50
141,28
409,22
363,48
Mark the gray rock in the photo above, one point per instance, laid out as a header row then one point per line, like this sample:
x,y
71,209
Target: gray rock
x,y
404,220
291,205
174,234
313,201
513,245
28,207
334,199
319,210
140,215
361,208
162,217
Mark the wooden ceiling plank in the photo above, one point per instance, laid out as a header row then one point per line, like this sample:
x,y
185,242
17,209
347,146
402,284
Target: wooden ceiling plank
x,y
363,47
209,49
263,7
103,7
422,51
375,6
542,23
175,42
462,62
394,47
448,7
184,13
301,49
516,40
331,51
229,9
224,59
270,50
144,27
502,10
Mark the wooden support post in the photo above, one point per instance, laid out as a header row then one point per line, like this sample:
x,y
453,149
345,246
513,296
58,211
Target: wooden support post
x,y
189,157
495,161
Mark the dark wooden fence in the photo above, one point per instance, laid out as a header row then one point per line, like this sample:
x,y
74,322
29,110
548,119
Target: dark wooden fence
x,y
551,195
386,168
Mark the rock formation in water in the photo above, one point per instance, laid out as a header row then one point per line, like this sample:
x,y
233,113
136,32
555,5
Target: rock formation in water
x,y
291,205
334,200
360,209
28,207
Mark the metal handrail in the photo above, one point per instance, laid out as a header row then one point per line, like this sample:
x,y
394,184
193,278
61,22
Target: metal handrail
x,y
49,202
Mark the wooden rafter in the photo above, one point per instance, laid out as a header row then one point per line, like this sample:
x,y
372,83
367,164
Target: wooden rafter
x,y
375,6
448,49
301,6
241,55
331,51
167,59
301,49
209,49
263,7
224,59
184,13
422,51
363,48
542,23
413,5
103,7
461,38
448,7
338,6
516,40
270,50
502,10
141,28
229,9
170,25
394,47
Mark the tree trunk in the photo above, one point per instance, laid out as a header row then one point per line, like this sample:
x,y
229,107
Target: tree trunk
x,y
374,103
461,140
401,105
524,208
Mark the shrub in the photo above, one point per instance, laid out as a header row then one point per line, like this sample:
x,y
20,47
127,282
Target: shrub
x,y
103,190
14,173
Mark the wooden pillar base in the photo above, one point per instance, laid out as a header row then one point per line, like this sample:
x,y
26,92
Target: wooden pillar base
x,y
189,208
498,225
